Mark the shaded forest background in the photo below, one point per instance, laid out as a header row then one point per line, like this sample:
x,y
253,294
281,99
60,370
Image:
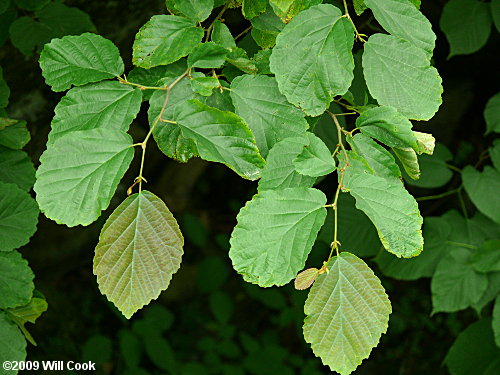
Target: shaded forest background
x,y
209,320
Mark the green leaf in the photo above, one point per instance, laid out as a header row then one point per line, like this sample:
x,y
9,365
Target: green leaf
x,y
221,35
168,136
252,8
388,126
204,85
287,9
79,174
436,232
347,311
496,321
313,59
425,143
492,114
164,40
28,313
16,280
197,10
261,60
433,168
408,158
78,60
4,91
494,152
356,232
139,249
12,342
220,136
100,105
275,233
487,257
207,55
404,20
389,206
265,29
495,13
315,159
474,350
31,4
271,118
466,24
54,20
18,217
218,99
455,284
378,158
279,172
16,168
222,306
239,59
13,133
398,74
481,187
492,291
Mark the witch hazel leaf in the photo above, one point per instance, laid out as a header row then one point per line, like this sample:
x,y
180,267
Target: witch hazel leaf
x,y
315,159
139,249
347,311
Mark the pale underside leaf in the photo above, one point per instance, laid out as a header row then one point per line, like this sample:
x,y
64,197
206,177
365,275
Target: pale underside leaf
x,y
139,249
347,311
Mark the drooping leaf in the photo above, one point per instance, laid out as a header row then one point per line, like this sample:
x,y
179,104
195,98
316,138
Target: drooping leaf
x,y
378,158
16,280
393,211
279,172
79,174
4,91
164,39
28,313
221,137
139,249
481,187
18,217
474,350
207,55
275,233
436,232
408,158
312,59
271,118
306,278
398,74
347,311
168,136
388,126
287,9
12,342
221,35
197,10
487,257
404,20
13,133
315,159
466,24
78,60
16,168
54,20
455,284
492,114
434,172
100,105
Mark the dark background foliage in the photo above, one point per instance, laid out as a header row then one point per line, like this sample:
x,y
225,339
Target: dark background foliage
x,y
209,321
